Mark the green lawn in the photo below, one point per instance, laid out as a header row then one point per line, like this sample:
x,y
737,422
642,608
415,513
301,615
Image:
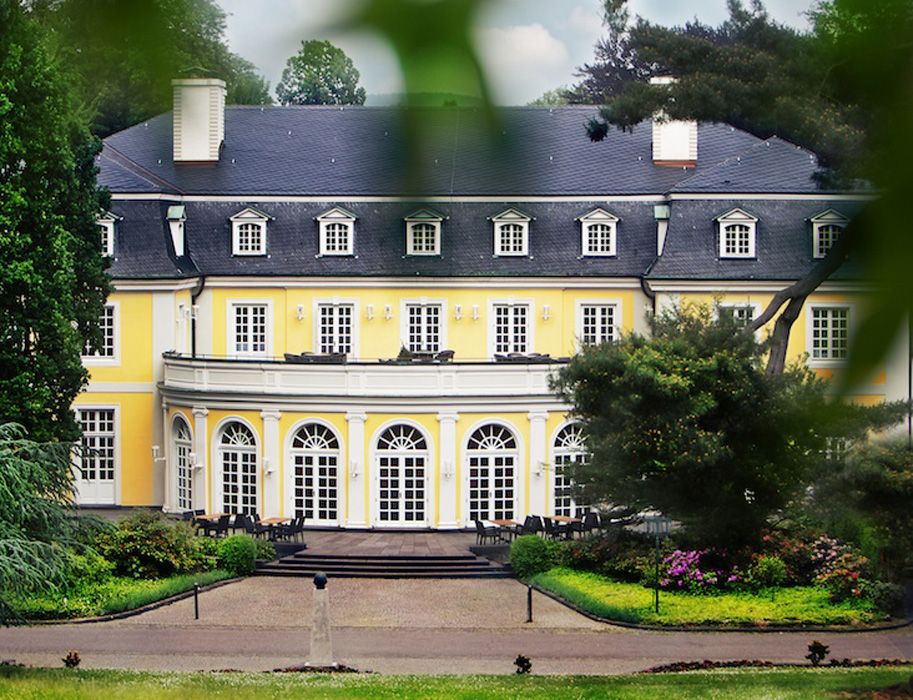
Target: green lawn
x,y
631,602
31,684
115,595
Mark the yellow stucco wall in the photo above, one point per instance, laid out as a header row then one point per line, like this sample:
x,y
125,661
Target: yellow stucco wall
x,y
135,341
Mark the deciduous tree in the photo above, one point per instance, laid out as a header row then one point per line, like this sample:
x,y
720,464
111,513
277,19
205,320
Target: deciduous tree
x,y
320,74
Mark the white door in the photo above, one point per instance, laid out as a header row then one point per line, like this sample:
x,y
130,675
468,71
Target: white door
x,y
315,454
96,461
401,473
492,459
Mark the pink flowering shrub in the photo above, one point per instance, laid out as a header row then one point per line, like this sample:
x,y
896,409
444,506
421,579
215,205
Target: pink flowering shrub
x,y
697,571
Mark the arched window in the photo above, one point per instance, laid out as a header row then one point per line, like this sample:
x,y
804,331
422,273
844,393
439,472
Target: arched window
x,y
402,462
238,458
600,239
183,446
424,238
315,460
493,457
569,448
826,235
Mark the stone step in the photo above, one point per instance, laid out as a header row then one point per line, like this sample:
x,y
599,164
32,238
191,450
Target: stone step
x,y
430,574
385,557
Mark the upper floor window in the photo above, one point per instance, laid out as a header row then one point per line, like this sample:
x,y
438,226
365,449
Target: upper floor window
x,y
738,231
596,323
829,333
335,330
423,332
423,233
248,232
511,232
827,228
511,329
106,223
743,314
249,329
107,350
597,233
337,232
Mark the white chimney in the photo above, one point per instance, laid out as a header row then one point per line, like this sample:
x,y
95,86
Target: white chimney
x,y
674,142
198,119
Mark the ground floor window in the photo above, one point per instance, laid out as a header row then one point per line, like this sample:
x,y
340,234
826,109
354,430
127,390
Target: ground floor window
x,y
402,460
183,446
315,463
492,462
238,456
569,449
96,459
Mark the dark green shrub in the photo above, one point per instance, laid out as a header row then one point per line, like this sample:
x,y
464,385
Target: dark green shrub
x,y
238,555
148,545
768,571
618,553
531,555
266,551
887,597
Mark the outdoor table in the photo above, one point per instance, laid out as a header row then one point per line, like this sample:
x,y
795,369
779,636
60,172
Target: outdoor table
x,y
509,525
273,521
565,519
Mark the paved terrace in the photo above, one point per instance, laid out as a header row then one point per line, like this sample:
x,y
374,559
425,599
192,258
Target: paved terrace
x,y
371,543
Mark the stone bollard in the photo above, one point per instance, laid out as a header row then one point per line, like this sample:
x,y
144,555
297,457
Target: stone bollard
x,y
321,641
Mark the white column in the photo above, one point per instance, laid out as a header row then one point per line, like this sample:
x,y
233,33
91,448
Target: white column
x,y
272,472
168,502
447,506
537,471
358,471
201,458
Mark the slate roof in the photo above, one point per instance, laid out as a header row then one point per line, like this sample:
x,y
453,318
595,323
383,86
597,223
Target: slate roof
x,y
358,150
143,242
783,245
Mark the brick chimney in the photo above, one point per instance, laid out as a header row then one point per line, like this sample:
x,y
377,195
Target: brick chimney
x,y
674,142
198,119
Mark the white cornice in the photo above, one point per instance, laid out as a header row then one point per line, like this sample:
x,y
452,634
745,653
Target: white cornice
x,y
501,199
427,282
128,285
761,286
678,196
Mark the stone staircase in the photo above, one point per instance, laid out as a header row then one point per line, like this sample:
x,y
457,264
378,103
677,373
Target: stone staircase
x,y
306,564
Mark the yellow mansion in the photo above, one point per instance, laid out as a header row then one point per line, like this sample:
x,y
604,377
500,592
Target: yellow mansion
x,y
290,335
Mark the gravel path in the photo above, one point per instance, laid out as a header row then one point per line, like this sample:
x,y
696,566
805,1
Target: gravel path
x,y
405,626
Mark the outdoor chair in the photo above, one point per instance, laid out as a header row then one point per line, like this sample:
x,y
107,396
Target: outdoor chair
x,y
255,528
590,522
553,530
444,356
187,515
292,530
575,527
486,533
218,528
240,522
532,525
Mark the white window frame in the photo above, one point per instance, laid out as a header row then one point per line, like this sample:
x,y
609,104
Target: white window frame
x,y
419,218
404,307
819,221
579,305
753,305
112,360
231,323
175,458
117,456
737,217
356,325
217,472
809,332
507,218
108,222
337,215
254,218
598,217
530,323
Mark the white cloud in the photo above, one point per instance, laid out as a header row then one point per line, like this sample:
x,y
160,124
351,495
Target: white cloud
x,y
585,23
522,61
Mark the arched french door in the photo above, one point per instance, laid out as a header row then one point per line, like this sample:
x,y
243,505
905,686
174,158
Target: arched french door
x,y
315,457
183,469
238,462
568,449
402,466
492,460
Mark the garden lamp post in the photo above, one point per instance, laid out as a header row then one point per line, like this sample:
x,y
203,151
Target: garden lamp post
x,y
659,525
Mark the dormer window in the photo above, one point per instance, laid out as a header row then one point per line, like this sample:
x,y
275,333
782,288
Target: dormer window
x,y
423,233
511,232
105,223
827,227
248,232
737,234
337,232
597,233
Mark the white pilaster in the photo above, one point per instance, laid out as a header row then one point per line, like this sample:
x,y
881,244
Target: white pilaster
x,y
163,319
447,506
201,498
168,502
272,466
357,471
538,456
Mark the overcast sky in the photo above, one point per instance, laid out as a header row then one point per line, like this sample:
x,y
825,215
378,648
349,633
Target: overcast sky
x,y
528,46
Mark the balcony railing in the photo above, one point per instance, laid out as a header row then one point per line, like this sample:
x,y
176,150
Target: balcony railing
x,y
517,377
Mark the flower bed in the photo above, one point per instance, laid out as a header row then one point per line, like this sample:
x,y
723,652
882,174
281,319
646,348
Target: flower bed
x,y
632,602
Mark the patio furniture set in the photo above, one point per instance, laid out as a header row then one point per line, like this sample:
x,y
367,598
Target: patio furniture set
x,y
219,524
552,527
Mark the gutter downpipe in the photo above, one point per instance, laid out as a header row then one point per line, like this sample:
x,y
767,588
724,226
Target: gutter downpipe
x,y
194,295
